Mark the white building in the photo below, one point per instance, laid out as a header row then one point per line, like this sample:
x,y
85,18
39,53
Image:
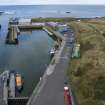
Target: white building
x,y
24,21
38,24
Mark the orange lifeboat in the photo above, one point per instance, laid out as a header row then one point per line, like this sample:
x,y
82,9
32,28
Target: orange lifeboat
x,y
19,82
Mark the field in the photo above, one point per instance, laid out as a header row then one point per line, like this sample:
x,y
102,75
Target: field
x,y
87,73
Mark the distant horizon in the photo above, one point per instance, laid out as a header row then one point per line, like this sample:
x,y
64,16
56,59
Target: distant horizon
x,y
52,2
45,4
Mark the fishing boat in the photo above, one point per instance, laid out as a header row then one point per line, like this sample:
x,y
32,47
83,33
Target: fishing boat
x,y
19,81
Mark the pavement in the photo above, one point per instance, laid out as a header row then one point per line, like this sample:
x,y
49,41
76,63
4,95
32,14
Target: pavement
x,y
52,92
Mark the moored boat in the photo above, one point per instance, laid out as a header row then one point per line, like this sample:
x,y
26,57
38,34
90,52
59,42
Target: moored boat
x,y
19,82
12,84
52,52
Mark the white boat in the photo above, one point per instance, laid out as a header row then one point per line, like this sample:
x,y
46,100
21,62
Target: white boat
x,y
52,51
12,85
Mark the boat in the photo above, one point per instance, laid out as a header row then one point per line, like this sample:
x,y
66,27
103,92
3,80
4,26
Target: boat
x,y
68,12
12,84
1,12
52,52
0,26
19,82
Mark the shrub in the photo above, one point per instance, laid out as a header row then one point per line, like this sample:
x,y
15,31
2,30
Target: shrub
x,y
91,102
86,46
99,90
81,70
103,34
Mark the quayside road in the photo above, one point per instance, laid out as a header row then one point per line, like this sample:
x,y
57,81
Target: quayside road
x,y
51,92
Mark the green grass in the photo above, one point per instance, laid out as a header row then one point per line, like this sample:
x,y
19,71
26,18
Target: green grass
x,y
87,74
65,19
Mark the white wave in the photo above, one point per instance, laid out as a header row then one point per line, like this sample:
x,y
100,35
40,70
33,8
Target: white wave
x,y
9,12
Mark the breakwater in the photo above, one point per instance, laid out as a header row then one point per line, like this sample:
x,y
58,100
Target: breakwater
x,y
12,35
14,31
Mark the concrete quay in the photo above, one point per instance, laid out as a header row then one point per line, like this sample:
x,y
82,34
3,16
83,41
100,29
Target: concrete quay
x,y
3,88
29,26
12,35
49,90
14,31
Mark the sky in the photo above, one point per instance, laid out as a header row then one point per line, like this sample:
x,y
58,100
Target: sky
x,y
30,2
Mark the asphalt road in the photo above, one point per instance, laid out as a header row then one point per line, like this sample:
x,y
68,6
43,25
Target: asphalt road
x,y
52,92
